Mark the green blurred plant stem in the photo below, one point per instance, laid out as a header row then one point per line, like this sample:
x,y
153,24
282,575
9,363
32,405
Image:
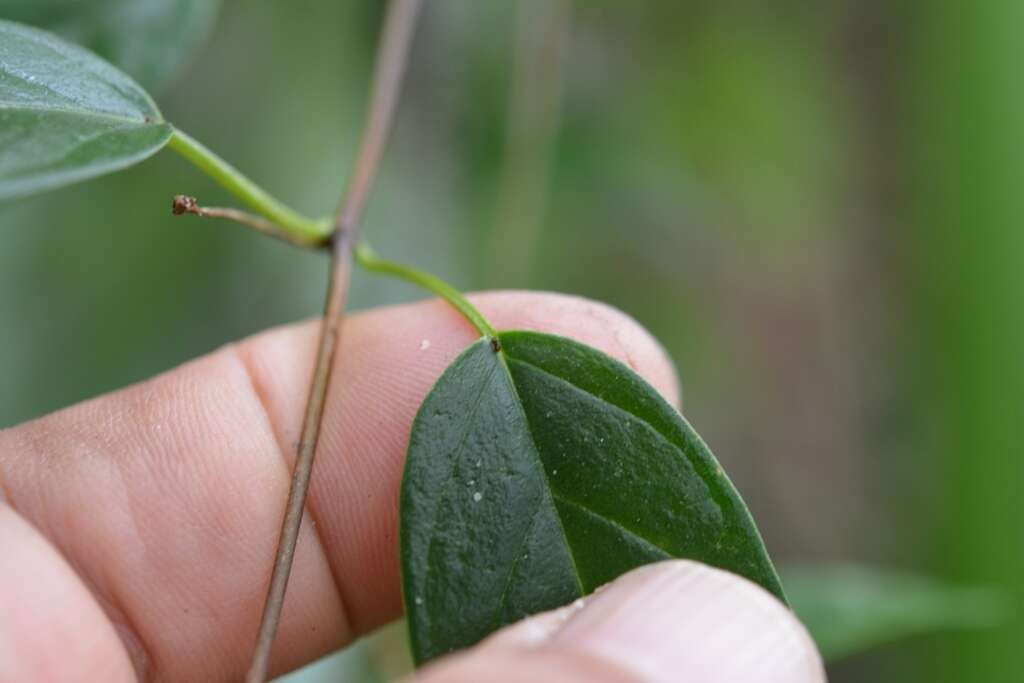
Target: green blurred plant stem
x,y
295,227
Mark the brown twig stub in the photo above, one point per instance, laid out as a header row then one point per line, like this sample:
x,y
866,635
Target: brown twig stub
x,y
183,204
391,57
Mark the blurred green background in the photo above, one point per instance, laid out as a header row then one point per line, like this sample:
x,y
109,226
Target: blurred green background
x,y
815,206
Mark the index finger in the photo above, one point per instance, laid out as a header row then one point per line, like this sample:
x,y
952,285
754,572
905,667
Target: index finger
x,y
167,496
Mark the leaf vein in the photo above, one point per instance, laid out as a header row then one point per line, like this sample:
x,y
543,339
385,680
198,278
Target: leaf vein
x,y
612,522
559,378
515,563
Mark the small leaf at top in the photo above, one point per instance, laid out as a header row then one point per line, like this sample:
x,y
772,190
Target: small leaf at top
x,y
147,39
852,609
66,115
537,473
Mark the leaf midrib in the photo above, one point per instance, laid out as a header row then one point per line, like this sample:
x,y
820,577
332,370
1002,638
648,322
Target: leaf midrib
x,y
553,496
719,496
547,492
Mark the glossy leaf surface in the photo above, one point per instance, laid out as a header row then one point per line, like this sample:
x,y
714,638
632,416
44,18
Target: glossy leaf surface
x,y
852,609
537,474
147,39
66,115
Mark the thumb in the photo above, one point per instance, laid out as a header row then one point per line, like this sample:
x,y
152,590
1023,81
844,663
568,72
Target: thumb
x,y
672,621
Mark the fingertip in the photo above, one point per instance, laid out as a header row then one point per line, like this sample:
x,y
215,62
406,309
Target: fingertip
x,y
685,620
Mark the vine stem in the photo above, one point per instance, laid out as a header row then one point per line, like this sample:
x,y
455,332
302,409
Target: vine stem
x,y
390,66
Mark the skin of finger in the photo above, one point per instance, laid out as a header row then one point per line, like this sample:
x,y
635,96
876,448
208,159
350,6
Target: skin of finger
x,y
167,496
673,621
515,666
682,620
51,628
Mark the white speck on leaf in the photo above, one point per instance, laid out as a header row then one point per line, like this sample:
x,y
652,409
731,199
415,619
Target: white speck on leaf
x,y
477,497
419,600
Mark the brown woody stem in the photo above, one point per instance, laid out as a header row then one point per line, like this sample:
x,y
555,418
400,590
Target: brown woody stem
x,y
183,204
390,65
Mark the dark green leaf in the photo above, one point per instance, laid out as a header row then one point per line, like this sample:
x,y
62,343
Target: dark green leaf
x,y
66,115
852,609
145,38
540,472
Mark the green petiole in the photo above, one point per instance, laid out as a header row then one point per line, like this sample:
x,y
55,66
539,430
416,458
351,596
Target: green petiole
x,y
366,257
299,228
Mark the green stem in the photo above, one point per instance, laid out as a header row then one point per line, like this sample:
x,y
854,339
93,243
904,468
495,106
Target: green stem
x,y
367,258
297,226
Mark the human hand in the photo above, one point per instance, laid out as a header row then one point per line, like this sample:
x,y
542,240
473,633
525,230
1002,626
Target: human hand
x,y
137,529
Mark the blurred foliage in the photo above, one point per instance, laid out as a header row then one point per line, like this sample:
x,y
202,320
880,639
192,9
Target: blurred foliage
x,y
851,609
814,206
148,39
966,165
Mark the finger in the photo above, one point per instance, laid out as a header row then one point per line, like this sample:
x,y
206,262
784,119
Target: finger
x,y
167,497
673,621
47,610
